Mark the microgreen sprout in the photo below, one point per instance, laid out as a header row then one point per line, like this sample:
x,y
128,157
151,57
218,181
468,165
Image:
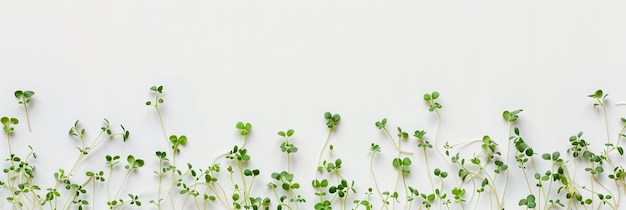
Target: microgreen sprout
x,y
23,97
375,148
510,117
424,144
332,120
402,164
7,125
158,91
286,178
287,147
162,156
600,98
176,142
434,106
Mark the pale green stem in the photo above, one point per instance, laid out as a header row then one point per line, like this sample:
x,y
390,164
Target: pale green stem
x,y
172,181
158,201
430,178
394,143
243,180
27,117
375,181
319,157
508,148
122,184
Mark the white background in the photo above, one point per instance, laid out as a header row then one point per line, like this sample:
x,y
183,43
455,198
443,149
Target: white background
x,y
282,64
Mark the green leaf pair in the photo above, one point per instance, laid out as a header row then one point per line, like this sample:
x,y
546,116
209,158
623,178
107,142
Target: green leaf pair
x,y
244,128
431,101
332,119
289,133
177,141
133,163
440,173
7,124
381,124
511,116
529,201
24,96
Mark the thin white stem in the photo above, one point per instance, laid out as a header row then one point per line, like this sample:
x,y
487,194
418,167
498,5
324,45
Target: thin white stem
x,y
243,181
432,185
27,117
394,143
319,157
508,157
376,182
122,184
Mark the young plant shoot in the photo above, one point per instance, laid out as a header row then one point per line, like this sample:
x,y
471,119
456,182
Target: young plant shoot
x,y
23,98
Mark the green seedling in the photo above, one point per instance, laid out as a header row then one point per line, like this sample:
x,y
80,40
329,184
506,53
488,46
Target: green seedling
x,y
600,98
421,142
434,106
23,97
402,164
176,142
287,147
375,148
162,156
286,178
510,117
7,125
158,100
332,120
341,191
